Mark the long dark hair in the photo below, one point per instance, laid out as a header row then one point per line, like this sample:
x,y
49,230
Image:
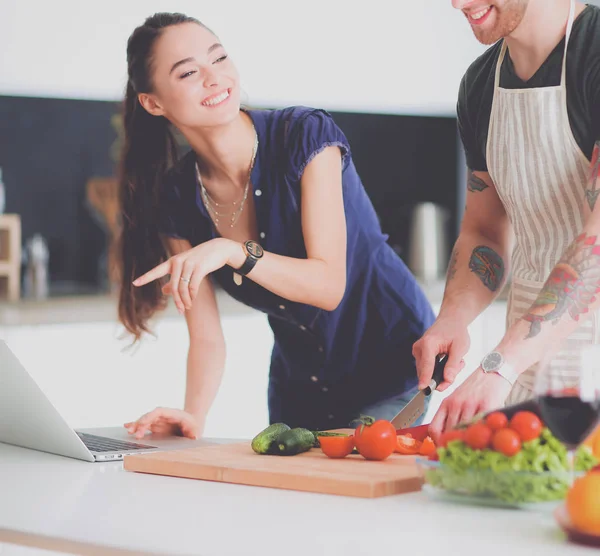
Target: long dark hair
x,y
149,150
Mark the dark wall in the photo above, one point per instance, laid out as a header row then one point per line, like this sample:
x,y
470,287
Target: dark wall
x,y
50,148
403,161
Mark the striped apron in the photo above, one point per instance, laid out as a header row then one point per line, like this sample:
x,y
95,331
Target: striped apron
x,y
540,174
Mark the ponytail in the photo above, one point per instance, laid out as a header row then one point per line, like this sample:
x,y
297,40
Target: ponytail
x,y
148,152
149,149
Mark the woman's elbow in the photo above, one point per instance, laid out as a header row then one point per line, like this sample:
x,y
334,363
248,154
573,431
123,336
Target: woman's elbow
x,y
334,294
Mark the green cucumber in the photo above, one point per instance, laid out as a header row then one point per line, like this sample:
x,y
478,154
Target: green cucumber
x,y
295,441
265,442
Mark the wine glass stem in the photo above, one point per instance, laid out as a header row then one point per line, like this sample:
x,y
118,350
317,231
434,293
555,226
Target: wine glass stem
x,y
571,460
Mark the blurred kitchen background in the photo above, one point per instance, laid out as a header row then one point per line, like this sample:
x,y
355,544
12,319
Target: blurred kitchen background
x,y
387,70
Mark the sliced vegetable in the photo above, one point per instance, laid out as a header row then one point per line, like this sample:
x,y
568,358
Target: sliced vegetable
x,y
407,445
337,446
427,448
320,434
375,440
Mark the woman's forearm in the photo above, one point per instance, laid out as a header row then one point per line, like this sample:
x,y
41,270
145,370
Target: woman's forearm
x,y
205,366
311,281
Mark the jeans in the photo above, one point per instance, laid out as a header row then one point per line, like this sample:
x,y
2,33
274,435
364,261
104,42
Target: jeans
x,y
388,408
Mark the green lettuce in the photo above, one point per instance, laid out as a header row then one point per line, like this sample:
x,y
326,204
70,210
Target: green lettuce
x,y
540,472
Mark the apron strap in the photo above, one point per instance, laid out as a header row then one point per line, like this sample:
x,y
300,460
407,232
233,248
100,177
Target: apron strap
x,y
567,36
499,64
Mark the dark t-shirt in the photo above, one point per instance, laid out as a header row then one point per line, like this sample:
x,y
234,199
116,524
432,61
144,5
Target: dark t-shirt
x,y
582,81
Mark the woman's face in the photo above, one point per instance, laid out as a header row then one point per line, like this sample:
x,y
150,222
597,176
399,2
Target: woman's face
x,y
195,82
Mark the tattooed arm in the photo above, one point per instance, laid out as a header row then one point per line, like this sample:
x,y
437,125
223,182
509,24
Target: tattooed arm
x,y
570,293
476,273
479,262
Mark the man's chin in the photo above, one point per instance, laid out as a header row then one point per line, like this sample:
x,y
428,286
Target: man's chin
x,y
488,38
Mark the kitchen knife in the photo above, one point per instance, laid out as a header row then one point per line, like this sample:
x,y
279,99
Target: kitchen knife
x,y
416,406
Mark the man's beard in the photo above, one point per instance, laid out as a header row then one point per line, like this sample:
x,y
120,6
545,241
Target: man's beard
x,y
507,20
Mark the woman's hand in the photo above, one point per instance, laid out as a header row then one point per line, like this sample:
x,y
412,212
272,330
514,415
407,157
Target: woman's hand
x,y
166,421
189,268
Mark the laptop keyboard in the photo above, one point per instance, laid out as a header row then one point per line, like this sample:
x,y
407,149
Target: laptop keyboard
x,y
103,444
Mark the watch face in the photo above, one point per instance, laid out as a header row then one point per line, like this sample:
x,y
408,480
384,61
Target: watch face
x,y
254,249
492,361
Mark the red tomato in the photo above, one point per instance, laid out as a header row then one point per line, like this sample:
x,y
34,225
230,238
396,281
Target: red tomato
x,y
478,436
428,447
407,445
496,420
337,446
527,425
375,441
449,436
507,442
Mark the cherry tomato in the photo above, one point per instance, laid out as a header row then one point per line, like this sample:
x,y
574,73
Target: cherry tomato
x,y
478,436
449,436
527,424
407,445
428,447
337,446
496,420
375,441
507,442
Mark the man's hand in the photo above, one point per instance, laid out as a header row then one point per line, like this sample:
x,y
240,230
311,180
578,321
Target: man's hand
x,y
481,392
444,336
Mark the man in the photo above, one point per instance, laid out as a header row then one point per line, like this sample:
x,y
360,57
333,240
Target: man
x,y
529,118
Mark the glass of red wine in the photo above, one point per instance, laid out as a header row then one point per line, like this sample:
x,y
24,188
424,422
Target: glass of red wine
x,y
568,394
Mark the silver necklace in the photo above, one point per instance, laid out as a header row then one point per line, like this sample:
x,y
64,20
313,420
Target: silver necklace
x,y
213,207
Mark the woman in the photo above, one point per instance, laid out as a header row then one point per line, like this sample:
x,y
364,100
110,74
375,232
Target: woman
x,y
267,204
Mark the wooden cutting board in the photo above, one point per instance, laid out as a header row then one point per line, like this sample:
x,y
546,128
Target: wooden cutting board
x,y
311,471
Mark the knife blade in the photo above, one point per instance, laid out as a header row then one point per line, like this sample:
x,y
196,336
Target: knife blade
x,y
416,406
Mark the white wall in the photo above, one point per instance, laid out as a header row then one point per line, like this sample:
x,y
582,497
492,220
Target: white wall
x,y
395,56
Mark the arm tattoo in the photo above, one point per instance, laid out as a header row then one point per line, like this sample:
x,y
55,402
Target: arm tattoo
x,y
592,191
475,184
571,287
488,266
452,265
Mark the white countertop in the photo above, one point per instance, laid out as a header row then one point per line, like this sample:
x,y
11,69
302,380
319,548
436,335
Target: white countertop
x,y
98,508
103,308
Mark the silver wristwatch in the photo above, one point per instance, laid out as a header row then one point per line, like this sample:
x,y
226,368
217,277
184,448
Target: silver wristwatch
x,y
494,363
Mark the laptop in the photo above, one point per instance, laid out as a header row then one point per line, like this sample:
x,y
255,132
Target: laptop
x,y
28,419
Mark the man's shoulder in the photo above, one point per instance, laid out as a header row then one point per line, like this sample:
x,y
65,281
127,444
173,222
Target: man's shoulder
x,y
586,32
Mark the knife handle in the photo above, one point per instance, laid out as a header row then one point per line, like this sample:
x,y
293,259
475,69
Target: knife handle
x,y
438,373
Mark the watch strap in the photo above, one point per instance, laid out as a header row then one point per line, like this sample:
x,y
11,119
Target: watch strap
x,y
247,266
251,258
508,372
